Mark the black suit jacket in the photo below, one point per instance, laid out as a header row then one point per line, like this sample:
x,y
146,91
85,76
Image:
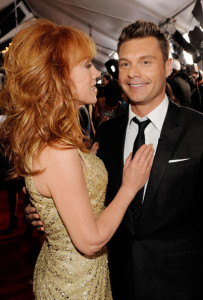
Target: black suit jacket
x,y
162,258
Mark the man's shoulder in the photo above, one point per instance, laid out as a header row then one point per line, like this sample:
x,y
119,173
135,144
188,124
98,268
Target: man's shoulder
x,y
184,112
191,122
192,115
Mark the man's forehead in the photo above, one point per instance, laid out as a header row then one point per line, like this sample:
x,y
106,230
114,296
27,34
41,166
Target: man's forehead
x,y
142,48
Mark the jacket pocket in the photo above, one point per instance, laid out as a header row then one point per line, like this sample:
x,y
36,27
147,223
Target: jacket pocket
x,y
185,258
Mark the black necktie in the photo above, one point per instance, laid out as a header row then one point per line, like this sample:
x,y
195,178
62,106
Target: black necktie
x,y
140,138
136,204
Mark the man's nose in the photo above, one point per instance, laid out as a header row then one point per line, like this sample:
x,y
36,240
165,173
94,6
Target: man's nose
x,y
134,71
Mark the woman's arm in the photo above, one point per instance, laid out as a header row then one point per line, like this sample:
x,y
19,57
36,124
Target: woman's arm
x,y
63,180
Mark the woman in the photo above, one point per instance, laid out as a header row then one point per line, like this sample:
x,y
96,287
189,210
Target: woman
x,y
49,74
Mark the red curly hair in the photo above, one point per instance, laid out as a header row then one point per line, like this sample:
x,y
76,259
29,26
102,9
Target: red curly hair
x,y
37,96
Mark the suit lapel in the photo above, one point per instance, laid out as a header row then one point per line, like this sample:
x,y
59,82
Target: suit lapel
x,y
168,138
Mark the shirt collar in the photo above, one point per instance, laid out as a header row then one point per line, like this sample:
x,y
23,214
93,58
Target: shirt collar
x,y
156,116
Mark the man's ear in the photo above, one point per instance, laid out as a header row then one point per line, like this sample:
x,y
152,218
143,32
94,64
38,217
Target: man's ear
x,y
168,67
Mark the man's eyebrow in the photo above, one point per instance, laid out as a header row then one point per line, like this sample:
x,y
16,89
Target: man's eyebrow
x,y
122,58
148,56
141,57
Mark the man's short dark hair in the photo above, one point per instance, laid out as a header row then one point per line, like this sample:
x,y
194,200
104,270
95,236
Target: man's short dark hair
x,y
142,29
108,76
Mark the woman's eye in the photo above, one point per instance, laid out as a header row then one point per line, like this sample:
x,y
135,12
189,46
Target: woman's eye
x,y
88,66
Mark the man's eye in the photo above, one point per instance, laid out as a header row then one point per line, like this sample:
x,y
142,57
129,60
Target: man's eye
x,y
123,64
146,62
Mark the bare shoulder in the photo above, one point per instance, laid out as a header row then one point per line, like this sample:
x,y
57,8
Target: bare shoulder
x,y
54,156
56,164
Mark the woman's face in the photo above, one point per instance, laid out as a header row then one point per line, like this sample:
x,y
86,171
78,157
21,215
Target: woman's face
x,y
84,77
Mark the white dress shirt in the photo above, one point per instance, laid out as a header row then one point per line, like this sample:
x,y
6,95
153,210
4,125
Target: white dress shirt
x,y
152,131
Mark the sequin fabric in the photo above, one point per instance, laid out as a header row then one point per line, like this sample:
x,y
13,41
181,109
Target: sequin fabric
x,y
61,271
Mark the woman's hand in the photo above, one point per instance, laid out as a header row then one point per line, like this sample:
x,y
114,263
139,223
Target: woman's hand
x,y
136,171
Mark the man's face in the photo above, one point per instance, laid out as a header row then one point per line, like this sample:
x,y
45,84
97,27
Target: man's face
x,y
142,72
104,81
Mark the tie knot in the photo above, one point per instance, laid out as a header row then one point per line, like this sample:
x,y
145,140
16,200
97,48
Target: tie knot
x,y
142,125
140,138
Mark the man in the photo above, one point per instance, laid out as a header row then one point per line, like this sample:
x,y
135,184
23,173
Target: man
x,y
158,256
197,93
106,78
180,87
100,105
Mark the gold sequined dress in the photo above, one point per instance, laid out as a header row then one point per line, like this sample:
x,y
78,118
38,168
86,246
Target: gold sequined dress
x,y
61,271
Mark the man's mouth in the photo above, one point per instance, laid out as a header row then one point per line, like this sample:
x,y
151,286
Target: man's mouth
x,y
138,84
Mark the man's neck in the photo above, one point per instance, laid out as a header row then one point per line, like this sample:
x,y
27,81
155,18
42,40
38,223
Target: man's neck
x,y
143,110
